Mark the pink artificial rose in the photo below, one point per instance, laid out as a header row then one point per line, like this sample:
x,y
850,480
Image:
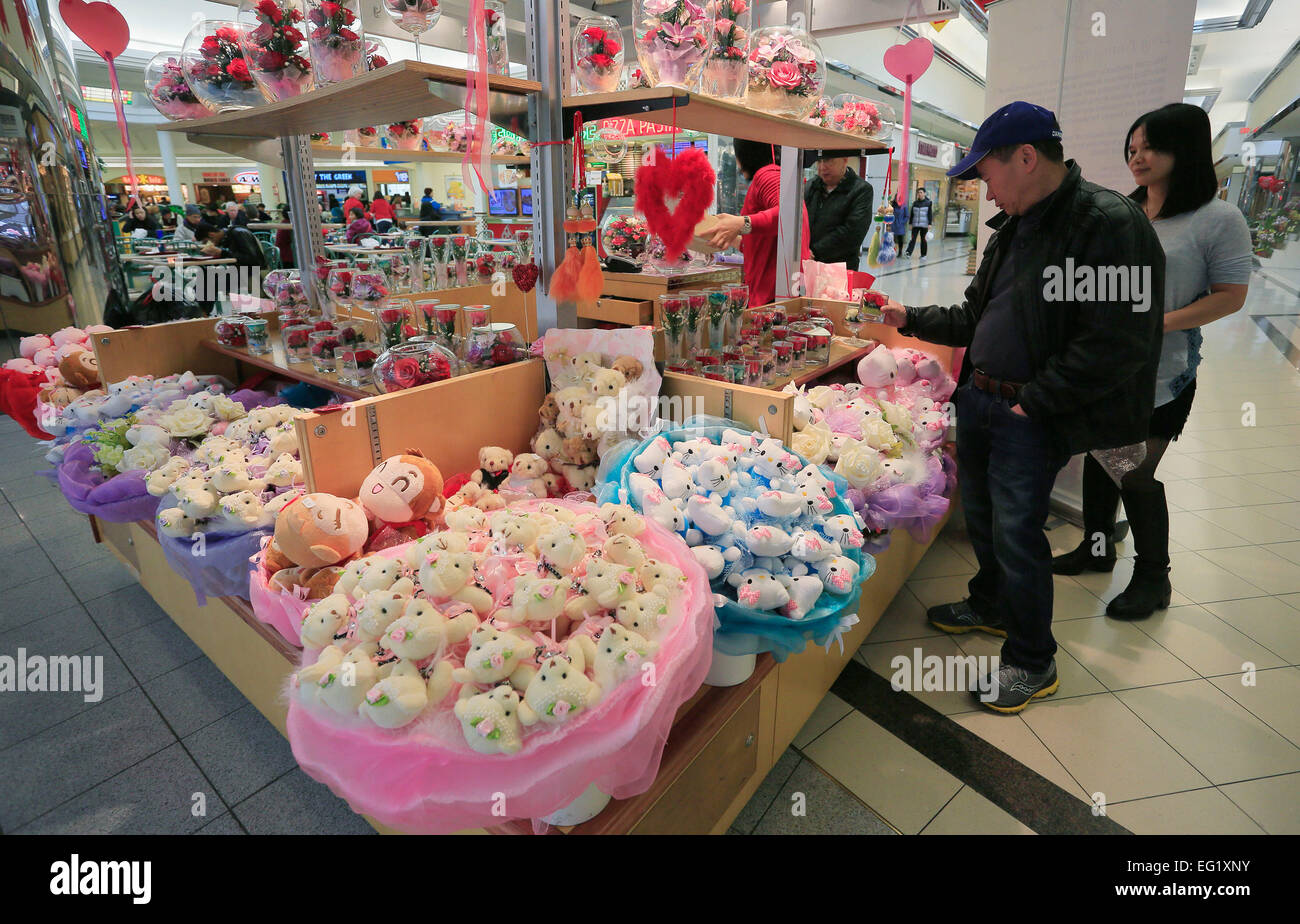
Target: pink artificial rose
x,y
785,74
561,708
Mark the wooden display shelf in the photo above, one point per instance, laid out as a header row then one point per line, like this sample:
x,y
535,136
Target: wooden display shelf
x,y
841,354
697,112
393,156
650,285
276,361
402,90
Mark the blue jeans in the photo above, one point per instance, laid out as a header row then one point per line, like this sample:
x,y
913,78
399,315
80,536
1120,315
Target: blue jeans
x,y
1006,465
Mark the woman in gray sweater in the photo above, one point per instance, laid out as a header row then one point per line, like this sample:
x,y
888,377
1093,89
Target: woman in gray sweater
x,y
1207,270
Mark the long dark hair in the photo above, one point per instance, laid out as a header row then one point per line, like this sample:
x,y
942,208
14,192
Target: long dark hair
x,y
1182,131
752,156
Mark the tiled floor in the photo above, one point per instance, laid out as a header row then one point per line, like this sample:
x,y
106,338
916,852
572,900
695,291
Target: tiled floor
x,y
1184,723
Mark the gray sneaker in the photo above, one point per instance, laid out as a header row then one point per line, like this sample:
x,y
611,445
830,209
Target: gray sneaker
x,y
960,618
1011,688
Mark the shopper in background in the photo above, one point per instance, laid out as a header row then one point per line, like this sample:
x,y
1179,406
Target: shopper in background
x,y
262,213
382,212
284,242
1207,271
140,220
252,211
186,227
358,227
215,216
899,223
353,201
1046,375
921,215
754,229
430,210
839,211
234,242
335,210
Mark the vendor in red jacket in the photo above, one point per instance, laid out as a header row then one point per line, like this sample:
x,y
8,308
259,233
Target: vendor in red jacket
x,y
382,211
754,229
353,201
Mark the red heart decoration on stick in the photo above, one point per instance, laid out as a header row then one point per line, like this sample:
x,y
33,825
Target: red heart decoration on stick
x,y
99,25
908,62
525,275
688,178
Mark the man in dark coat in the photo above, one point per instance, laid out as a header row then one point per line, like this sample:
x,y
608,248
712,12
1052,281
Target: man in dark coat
x,y
839,211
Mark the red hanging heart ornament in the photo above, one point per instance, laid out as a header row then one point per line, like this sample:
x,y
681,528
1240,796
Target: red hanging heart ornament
x,y
689,179
525,276
99,25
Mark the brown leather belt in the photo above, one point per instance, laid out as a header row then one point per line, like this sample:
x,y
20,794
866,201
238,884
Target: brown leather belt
x,y
985,382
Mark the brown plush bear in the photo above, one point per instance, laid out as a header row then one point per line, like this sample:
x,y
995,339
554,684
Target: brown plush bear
x,y
630,366
579,451
319,584
549,412
79,369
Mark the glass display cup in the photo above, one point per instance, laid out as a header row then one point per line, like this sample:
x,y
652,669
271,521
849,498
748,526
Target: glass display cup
x,y
257,335
784,351
355,362
324,343
297,342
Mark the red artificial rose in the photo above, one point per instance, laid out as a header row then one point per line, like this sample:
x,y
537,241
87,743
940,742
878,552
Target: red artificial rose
x,y
404,372
364,357
298,338
295,15
409,330
210,47
348,35
269,9
292,35
272,61
320,34
378,61
227,34
593,34
238,69
325,346
329,10
739,6
323,325
612,47
785,74
599,60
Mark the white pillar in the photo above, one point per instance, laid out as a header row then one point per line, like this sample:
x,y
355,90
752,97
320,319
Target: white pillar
x,y
172,174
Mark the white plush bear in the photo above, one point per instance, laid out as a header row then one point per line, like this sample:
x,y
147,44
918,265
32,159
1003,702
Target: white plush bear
x,y
176,523
768,541
594,421
421,630
239,431
758,589
714,558
260,419
210,451
397,699
606,383
494,655
243,510
709,515
616,655
559,549
309,681
837,573
147,433
556,512
548,443
650,461
780,505
620,519
232,477
344,689
662,578
607,584
536,599
803,590
811,546
324,621
676,479
379,609
624,550
351,576
644,614
382,574
714,476
159,481
284,471
843,529
282,439
579,477
490,721
194,495
571,401
559,691
465,519
450,575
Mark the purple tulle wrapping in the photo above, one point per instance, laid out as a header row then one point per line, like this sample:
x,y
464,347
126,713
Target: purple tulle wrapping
x,y
218,567
120,499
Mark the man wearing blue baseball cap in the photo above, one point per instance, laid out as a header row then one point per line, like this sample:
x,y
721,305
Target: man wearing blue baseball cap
x,y
1063,326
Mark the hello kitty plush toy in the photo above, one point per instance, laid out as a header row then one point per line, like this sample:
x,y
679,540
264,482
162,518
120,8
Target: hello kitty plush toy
x,y
878,372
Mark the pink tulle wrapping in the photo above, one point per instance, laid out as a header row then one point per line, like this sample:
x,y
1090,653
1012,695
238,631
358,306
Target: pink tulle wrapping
x,y
424,779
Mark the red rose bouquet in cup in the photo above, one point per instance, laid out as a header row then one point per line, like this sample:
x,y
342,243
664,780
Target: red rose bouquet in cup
x,y
215,69
787,71
169,92
275,48
405,136
412,364
334,40
598,54
726,68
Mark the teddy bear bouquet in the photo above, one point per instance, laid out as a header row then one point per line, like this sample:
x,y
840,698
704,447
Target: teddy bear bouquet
x,y
505,652
773,532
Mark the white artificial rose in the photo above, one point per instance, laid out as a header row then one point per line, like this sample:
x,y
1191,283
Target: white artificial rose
x,y
226,409
897,416
146,456
878,434
822,396
186,422
813,443
859,464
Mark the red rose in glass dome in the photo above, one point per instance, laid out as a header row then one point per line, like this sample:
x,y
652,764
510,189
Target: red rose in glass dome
x,y
364,358
349,334
600,60
227,34
323,325
390,315
325,346
404,372
502,354
410,330
297,338
594,34
271,60
612,47
292,35
785,74
210,47
239,70
270,10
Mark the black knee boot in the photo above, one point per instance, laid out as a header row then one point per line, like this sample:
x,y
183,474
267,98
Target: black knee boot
x,y
1149,590
1100,497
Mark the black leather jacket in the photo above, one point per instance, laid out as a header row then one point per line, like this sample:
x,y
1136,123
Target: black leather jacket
x,y
1095,361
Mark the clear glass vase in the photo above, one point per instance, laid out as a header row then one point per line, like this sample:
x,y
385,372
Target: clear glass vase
x,y
625,235
168,90
409,365
275,47
787,71
338,50
858,115
727,67
597,54
406,136
215,68
414,17
672,40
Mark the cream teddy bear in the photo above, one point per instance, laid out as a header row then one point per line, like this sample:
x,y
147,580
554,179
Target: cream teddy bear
x,y
345,689
310,681
284,471
351,575
579,477
176,523
616,655
661,577
378,609
559,549
421,630
397,699
382,574
231,478
281,440
526,475
194,495
465,519
515,531
490,721
494,655
559,691
621,519
644,614
450,575
536,599
622,549
159,481
606,383
243,510
607,584
324,621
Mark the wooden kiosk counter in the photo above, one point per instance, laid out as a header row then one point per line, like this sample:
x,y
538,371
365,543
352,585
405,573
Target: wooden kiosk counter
x,y
723,741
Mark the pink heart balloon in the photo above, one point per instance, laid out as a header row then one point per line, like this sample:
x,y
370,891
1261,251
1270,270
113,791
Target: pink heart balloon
x,y
97,24
908,62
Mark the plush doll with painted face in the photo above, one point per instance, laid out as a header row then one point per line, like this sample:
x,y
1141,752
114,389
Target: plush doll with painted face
x,y
320,529
403,495
494,466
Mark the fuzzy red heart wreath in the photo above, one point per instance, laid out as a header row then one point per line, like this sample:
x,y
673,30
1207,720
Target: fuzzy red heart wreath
x,y
688,177
525,275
